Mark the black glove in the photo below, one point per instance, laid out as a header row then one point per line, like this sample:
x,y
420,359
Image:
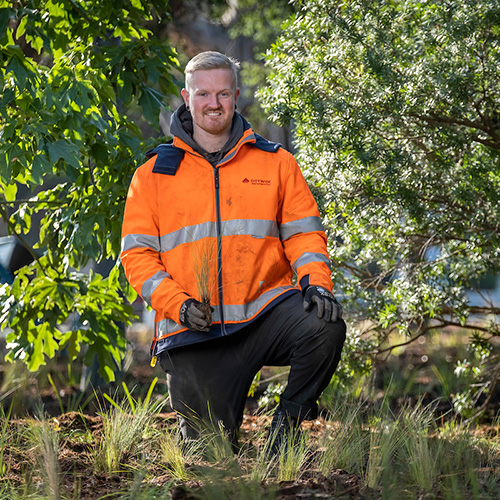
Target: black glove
x,y
194,318
328,307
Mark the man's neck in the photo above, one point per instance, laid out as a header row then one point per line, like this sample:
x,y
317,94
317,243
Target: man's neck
x,y
210,143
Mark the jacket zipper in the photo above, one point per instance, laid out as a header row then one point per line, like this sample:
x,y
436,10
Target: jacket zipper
x,y
219,250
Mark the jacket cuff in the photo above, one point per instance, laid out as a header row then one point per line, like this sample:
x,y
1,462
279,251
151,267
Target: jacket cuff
x,y
304,283
316,280
173,309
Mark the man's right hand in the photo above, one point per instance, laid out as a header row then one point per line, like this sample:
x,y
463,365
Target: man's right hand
x,y
192,317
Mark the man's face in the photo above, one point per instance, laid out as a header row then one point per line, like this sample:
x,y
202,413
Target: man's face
x,y
211,97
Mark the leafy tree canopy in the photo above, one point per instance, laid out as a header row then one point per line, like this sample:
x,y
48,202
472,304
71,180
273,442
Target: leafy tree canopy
x,y
69,71
396,107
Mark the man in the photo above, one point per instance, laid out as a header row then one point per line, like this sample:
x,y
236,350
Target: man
x,y
221,205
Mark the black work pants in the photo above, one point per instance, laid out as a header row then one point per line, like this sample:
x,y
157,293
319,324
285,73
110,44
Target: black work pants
x,y
209,381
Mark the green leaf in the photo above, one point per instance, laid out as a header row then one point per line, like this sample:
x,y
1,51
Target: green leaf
x,y
63,150
37,357
130,294
37,42
50,345
40,168
21,28
6,14
125,90
9,191
18,70
70,341
151,105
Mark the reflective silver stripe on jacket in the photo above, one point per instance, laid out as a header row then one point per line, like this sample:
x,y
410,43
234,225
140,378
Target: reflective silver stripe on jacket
x,y
305,225
151,284
187,234
308,257
242,312
257,228
132,241
232,313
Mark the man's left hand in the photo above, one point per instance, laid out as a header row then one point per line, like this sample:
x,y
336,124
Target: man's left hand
x,y
328,307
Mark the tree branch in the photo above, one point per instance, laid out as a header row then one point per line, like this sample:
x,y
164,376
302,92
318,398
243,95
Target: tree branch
x,y
34,202
439,120
493,385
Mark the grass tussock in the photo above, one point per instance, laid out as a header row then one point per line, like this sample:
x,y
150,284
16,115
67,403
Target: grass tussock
x,y
366,451
45,440
126,430
358,449
176,453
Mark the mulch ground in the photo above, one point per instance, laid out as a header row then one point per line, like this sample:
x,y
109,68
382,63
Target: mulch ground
x,y
78,478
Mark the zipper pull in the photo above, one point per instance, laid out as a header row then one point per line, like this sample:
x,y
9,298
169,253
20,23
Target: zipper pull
x,y
216,178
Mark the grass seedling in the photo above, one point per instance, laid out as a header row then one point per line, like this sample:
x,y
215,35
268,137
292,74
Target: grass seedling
x,y
217,488
121,436
15,383
421,453
462,470
291,459
213,441
46,440
260,466
142,491
132,402
173,455
124,432
74,401
387,436
4,437
204,262
9,491
345,443
217,446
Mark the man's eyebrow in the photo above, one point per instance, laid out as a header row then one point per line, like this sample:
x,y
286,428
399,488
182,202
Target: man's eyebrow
x,y
205,90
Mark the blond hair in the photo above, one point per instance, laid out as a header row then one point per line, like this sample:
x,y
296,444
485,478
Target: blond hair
x,y
211,60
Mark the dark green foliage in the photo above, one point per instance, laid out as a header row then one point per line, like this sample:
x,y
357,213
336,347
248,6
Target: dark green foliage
x,y
69,71
396,108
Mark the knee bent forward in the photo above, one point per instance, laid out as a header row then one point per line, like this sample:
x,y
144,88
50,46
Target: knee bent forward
x,y
335,333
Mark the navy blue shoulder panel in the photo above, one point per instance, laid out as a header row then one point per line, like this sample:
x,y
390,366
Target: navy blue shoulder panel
x,y
168,159
265,145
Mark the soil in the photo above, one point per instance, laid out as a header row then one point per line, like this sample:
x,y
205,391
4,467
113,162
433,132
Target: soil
x,y
207,309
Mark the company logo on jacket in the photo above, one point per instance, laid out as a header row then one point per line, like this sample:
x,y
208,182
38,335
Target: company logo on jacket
x,y
257,182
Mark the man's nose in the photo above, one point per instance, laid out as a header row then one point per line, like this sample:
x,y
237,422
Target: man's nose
x,y
214,101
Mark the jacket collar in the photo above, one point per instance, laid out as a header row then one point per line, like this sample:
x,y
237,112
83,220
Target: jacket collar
x,y
248,137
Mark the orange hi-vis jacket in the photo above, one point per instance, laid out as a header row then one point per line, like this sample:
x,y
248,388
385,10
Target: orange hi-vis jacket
x,y
243,227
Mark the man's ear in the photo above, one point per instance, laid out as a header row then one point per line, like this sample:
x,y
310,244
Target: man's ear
x,y
185,96
236,94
